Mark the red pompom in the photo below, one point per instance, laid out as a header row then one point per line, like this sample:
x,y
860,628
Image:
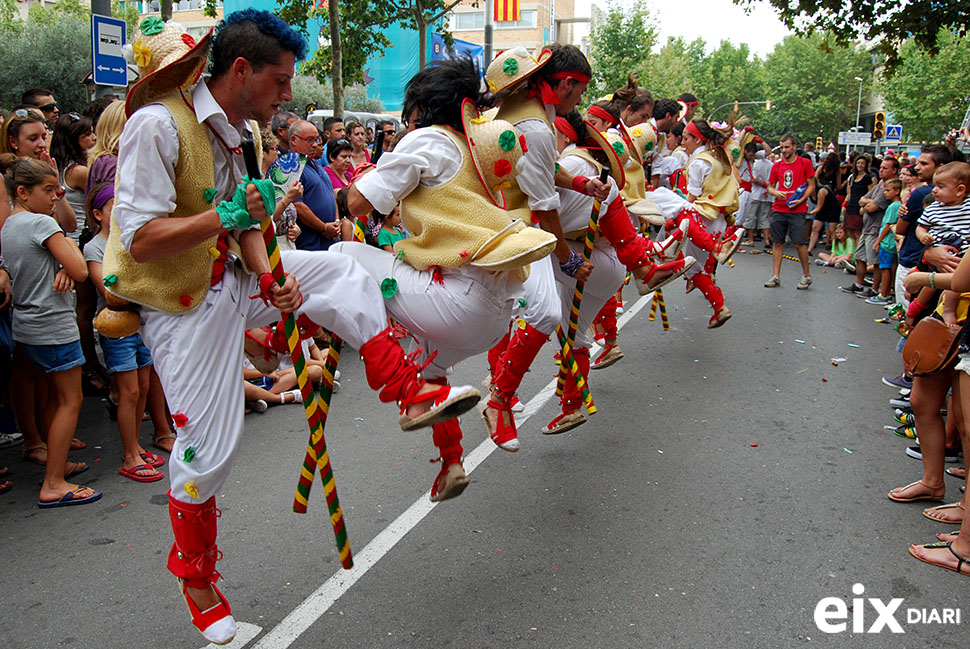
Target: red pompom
x,y
185,300
503,168
749,128
179,419
188,40
525,149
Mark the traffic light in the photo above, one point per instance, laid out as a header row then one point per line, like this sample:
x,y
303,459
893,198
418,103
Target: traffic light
x,y
818,143
879,127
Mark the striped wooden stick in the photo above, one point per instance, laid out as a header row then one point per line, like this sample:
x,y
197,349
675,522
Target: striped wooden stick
x,y
570,366
312,403
653,308
658,295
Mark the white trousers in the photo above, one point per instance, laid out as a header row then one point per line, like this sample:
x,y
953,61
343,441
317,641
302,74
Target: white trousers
x,y
198,356
669,202
464,315
901,273
714,227
543,307
605,280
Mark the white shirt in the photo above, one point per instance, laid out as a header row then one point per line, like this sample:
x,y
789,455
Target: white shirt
x,y
536,169
147,153
697,172
659,150
424,156
762,171
575,208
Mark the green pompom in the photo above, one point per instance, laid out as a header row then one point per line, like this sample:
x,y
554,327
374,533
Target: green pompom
x,y
648,147
619,148
400,254
735,152
522,302
209,195
152,25
507,140
389,288
557,167
109,280
510,67
189,455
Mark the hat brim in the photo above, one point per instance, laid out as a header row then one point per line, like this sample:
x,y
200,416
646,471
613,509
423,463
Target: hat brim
x,y
514,246
470,112
543,58
182,72
631,144
599,141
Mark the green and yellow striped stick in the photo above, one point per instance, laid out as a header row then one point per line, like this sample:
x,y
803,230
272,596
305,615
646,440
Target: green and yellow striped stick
x,y
658,296
314,405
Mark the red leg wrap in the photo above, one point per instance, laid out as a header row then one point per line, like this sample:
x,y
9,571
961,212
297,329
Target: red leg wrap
x,y
572,399
388,368
194,554
706,285
447,438
495,353
607,319
523,347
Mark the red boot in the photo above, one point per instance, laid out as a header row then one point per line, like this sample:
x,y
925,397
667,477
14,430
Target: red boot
x,y
451,480
523,348
398,378
572,400
660,275
706,285
495,353
193,560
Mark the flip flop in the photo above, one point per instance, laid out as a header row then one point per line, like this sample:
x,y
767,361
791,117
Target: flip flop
x,y
949,546
930,496
68,499
5,486
79,467
133,473
955,505
153,459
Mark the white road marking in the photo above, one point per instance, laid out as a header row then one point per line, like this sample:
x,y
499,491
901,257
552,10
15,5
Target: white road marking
x,y
319,602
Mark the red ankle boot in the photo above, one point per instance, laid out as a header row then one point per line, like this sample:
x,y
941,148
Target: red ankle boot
x,y
572,400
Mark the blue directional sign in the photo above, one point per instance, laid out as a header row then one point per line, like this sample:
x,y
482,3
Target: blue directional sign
x,y
894,133
108,65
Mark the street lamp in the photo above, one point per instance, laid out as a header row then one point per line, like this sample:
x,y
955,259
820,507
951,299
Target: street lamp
x,y
858,112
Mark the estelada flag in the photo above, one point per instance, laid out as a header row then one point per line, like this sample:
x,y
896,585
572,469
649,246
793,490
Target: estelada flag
x,y
506,10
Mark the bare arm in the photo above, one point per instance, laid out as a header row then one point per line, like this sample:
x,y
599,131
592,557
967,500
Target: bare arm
x,y
306,217
164,237
68,255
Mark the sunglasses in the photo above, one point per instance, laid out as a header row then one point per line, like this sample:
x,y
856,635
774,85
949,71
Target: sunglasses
x,y
341,142
389,132
48,108
73,117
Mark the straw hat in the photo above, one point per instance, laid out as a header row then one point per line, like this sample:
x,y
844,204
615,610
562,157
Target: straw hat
x,y
495,150
616,150
167,58
512,66
641,138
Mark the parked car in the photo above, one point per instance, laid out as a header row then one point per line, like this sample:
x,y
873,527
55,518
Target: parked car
x,y
371,120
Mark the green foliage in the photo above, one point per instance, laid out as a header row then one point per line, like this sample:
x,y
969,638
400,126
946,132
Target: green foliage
x,y
308,90
127,12
618,45
810,81
888,23
927,94
50,50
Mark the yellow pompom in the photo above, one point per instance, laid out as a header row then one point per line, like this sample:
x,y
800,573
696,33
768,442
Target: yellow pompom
x,y
191,489
143,55
214,252
637,132
479,120
491,86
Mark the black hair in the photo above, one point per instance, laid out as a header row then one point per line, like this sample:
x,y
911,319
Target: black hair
x,y
330,121
940,153
894,162
334,147
641,98
93,109
564,58
687,98
436,93
751,146
29,97
678,129
65,143
576,121
830,168
665,107
260,37
715,140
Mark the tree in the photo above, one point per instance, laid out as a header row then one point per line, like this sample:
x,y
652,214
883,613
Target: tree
x,y
52,51
927,93
667,73
726,75
308,90
127,12
618,45
810,81
888,23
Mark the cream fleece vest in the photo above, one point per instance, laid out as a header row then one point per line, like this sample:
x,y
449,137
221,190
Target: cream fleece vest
x,y
177,283
514,110
456,223
719,193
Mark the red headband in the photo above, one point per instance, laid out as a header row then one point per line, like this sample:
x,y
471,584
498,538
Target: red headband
x,y
696,132
603,114
688,103
569,74
564,127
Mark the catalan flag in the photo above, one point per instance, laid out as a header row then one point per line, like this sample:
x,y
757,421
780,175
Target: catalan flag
x,y
506,10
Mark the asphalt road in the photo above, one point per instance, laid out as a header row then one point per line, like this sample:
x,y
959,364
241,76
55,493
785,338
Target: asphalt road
x,y
722,490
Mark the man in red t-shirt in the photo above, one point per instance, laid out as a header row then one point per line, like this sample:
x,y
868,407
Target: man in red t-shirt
x,y
791,182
